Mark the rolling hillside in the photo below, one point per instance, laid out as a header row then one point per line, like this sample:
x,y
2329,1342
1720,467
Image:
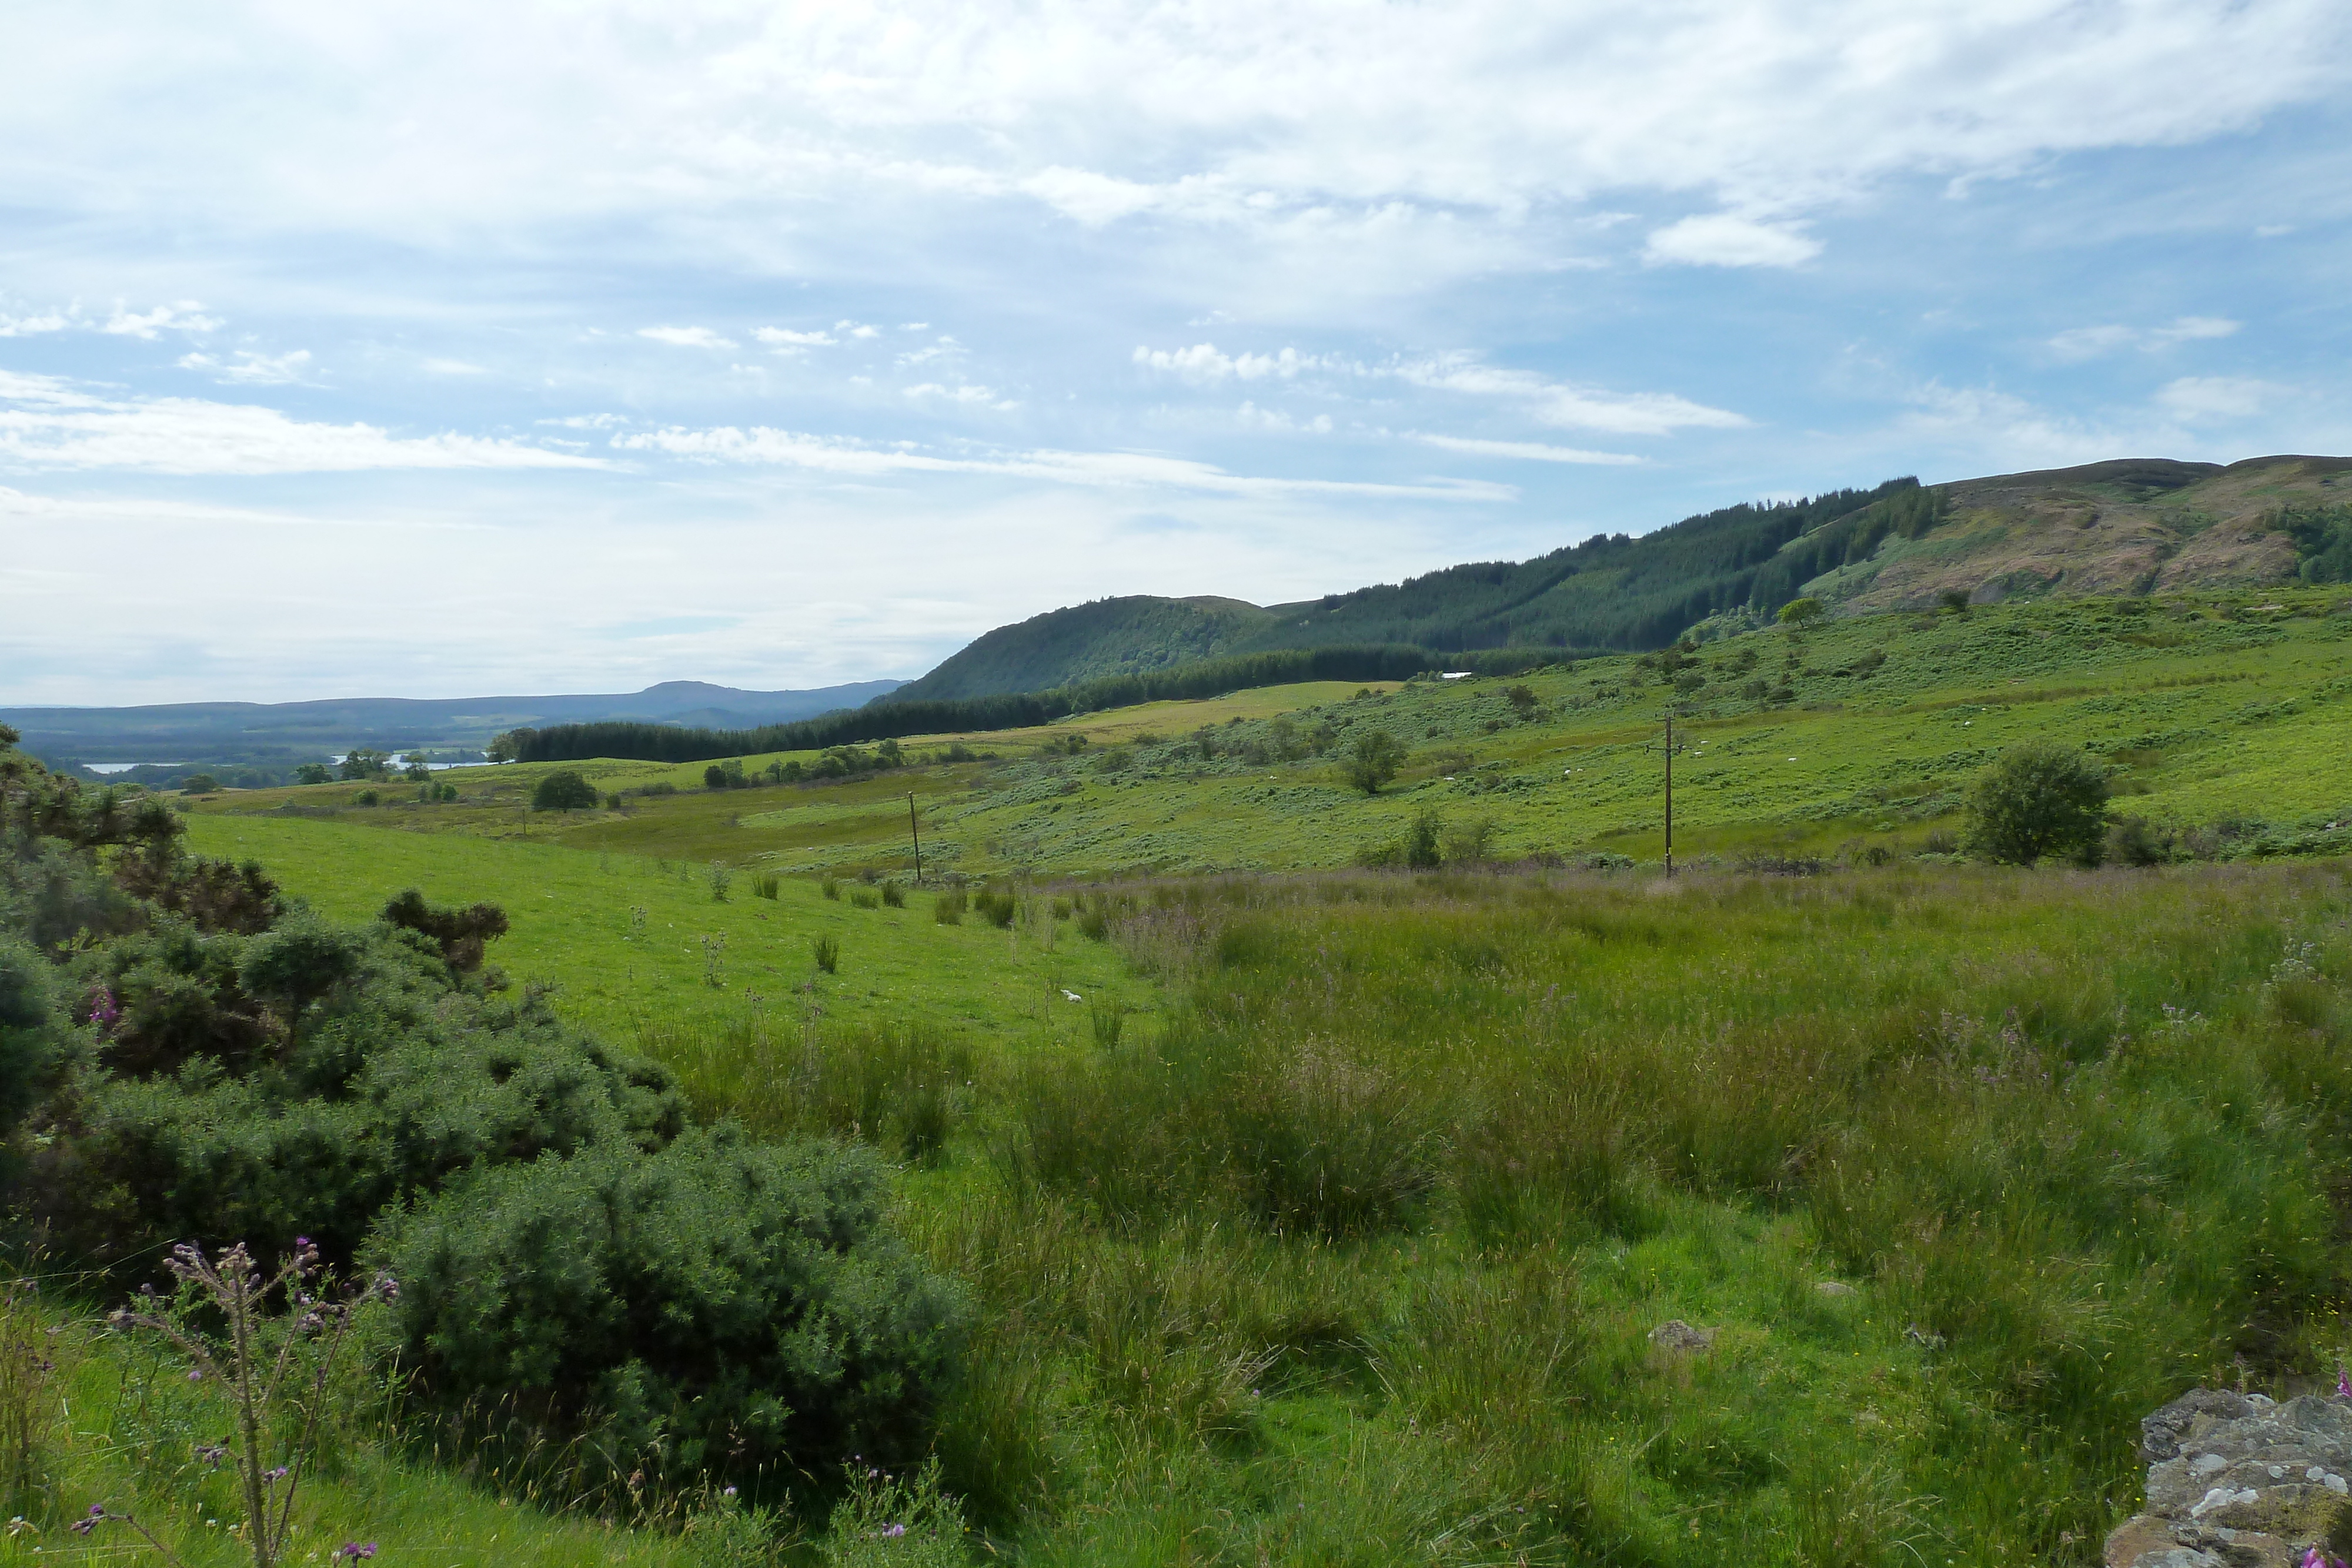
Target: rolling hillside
x,y
2130,526
285,733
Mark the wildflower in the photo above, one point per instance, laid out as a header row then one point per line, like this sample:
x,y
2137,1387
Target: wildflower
x,y
211,1453
355,1550
90,1520
279,1474
196,1375
892,1531
2343,1384
103,1012
728,1491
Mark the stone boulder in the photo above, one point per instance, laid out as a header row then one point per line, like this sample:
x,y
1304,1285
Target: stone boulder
x,y
2238,1480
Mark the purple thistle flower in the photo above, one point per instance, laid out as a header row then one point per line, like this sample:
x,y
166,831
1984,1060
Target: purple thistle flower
x,y
2343,1383
356,1549
892,1531
103,1012
196,1375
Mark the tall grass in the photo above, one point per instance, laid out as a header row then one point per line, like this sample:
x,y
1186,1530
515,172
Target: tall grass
x,y
2075,1135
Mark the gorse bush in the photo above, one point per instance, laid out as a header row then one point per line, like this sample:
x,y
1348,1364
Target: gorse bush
x,y
2039,801
721,1307
197,1065
566,790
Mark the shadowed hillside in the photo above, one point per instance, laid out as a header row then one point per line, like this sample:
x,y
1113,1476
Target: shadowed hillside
x,y
2130,526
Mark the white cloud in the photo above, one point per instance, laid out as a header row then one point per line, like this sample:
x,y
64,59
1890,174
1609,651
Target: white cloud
x,y
2204,398
436,367
589,420
1099,470
1566,404
1526,451
1203,363
969,395
30,326
785,340
2090,342
1724,239
187,316
914,326
686,337
49,424
1252,417
246,368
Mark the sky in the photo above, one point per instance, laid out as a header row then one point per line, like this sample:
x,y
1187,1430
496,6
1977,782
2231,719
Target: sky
x,y
440,349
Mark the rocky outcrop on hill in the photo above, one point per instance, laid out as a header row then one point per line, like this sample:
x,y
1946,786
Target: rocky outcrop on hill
x,y
2238,1480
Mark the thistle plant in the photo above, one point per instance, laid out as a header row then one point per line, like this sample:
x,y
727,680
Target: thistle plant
x,y
262,1364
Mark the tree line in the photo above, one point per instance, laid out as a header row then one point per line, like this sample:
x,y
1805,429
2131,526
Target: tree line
x,y
885,720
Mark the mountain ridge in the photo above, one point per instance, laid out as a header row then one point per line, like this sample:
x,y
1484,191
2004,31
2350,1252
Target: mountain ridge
x,y
2136,525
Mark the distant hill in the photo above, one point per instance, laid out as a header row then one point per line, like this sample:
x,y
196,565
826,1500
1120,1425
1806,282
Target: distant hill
x,y
2131,526
1129,636
270,735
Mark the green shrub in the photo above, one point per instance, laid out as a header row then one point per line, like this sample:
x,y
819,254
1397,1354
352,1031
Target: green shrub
x,y
566,790
766,884
948,907
826,950
2037,800
893,896
1421,849
721,877
721,1307
996,907
212,1125
2133,840
1374,760
861,899
829,887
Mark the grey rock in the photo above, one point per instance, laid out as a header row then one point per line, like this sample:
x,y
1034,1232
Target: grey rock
x,y
1677,1334
1835,1289
2241,1480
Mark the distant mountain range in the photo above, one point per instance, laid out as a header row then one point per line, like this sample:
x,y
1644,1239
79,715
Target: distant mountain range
x,y
280,735
2130,526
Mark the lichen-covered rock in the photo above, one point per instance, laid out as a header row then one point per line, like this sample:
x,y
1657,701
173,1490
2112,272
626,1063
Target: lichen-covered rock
x,y
2238,1480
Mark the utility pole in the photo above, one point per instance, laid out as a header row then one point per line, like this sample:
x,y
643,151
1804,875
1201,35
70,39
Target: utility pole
x,y
916,834
1669,750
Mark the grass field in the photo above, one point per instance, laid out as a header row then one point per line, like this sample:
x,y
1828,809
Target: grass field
x,y
2209,710
1337,1222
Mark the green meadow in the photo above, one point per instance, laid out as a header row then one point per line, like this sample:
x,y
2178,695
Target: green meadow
x,y
1534,1209
2215,709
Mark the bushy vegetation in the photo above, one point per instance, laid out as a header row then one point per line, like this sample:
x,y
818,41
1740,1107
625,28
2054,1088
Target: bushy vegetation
x,y
891,717
189,1059
2036,801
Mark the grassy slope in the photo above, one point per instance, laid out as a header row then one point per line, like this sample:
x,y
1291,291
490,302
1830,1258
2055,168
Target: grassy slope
x,y
2208,708
1109,637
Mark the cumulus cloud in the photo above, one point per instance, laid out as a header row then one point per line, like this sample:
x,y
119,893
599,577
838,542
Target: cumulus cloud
x,y
1526,451
187,316
1203,363
46,423
1099,470
2091,342
1567,404
2196,399
34,325
969,395
785,340
1251,417
1723,239
246,368
686,337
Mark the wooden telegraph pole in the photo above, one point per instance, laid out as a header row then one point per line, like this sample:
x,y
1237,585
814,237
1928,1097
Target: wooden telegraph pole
x,y
1669,750
916,834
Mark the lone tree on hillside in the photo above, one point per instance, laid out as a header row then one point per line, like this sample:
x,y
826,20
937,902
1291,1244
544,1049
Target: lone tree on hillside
x,y
1800,613
1374,760
563,790
2039,800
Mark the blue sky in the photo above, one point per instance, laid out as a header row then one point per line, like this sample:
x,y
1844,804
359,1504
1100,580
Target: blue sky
x,y
427,351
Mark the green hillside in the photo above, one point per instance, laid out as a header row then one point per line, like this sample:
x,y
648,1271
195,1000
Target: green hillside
x,y
2217,715
1133,636
2131,526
